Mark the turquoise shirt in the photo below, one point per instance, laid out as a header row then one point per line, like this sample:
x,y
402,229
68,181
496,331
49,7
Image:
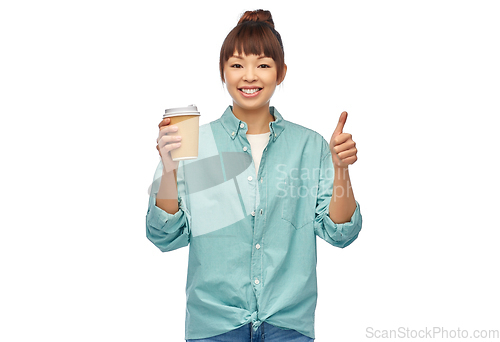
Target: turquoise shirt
x,y
252,254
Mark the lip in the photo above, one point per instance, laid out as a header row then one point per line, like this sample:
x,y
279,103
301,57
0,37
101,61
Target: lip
x,y
250,95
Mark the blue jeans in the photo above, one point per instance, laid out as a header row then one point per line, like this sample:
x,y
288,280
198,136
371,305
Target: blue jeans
x,y
265,333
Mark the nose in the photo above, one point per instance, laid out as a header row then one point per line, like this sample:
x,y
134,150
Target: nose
x,y
249,75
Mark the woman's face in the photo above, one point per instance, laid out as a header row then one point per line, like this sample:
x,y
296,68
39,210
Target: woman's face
x,y
250,80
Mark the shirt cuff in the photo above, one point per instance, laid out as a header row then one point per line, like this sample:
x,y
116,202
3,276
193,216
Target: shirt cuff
x,y
343,234
166,222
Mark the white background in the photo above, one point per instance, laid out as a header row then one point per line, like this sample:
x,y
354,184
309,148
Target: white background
x,y
83,85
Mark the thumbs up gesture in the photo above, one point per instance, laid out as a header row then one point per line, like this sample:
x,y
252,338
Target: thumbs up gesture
x,y
342,146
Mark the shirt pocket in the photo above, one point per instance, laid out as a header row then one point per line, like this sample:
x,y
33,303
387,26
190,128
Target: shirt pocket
x,y
298,203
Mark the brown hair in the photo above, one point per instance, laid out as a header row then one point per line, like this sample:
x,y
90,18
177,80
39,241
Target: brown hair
x,y
254,35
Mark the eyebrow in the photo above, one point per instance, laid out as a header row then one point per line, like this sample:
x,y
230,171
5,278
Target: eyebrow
x,y
239,57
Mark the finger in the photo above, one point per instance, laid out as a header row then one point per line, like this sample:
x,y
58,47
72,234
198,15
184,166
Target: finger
x,y
342,138
164,122
341,123
350,160
347,145
165,150
169,147
167,131
168,139
346,154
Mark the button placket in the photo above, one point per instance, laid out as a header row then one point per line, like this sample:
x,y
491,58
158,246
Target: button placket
x,y
259,222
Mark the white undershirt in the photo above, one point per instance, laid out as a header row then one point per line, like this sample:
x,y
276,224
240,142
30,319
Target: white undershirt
x,y
258,143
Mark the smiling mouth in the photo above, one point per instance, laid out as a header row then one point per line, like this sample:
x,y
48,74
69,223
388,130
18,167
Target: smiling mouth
x,y
250,91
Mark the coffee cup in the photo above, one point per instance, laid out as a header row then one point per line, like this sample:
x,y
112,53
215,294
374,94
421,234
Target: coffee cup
x,y
187,119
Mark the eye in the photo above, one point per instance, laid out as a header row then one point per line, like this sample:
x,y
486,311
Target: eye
x,y
236,66
264,66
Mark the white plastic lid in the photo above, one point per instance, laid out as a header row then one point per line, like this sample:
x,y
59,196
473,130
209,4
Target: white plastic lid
x,y
189,110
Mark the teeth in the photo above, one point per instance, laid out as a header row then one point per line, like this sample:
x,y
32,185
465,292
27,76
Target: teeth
x,y
250,91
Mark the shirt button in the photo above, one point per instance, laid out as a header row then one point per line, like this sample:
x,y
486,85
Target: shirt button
x,y
232,133
249,178
242,125
275,135
261,211
257,281
244,148
253,213
261,180
257,246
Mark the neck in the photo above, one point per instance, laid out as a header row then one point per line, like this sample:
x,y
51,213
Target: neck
x,y
257,119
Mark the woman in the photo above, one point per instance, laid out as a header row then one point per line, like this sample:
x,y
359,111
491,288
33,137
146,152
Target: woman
x,y
252,203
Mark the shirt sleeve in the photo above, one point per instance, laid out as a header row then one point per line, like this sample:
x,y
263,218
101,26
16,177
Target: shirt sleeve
x,y
168,231
337,234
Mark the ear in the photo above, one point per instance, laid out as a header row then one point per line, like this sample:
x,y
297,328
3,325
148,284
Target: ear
x,y
284,74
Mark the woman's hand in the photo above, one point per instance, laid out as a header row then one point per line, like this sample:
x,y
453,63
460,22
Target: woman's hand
x,y
342,146
167,142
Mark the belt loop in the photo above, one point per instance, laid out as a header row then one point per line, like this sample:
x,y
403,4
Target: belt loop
x,y
251,331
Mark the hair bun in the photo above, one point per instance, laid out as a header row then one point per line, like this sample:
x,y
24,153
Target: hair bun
x,y
257,15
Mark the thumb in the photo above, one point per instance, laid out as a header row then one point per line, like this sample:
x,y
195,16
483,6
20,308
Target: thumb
x,y
340,125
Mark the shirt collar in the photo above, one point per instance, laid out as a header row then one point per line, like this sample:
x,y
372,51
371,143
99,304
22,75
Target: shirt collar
x,y
232,124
